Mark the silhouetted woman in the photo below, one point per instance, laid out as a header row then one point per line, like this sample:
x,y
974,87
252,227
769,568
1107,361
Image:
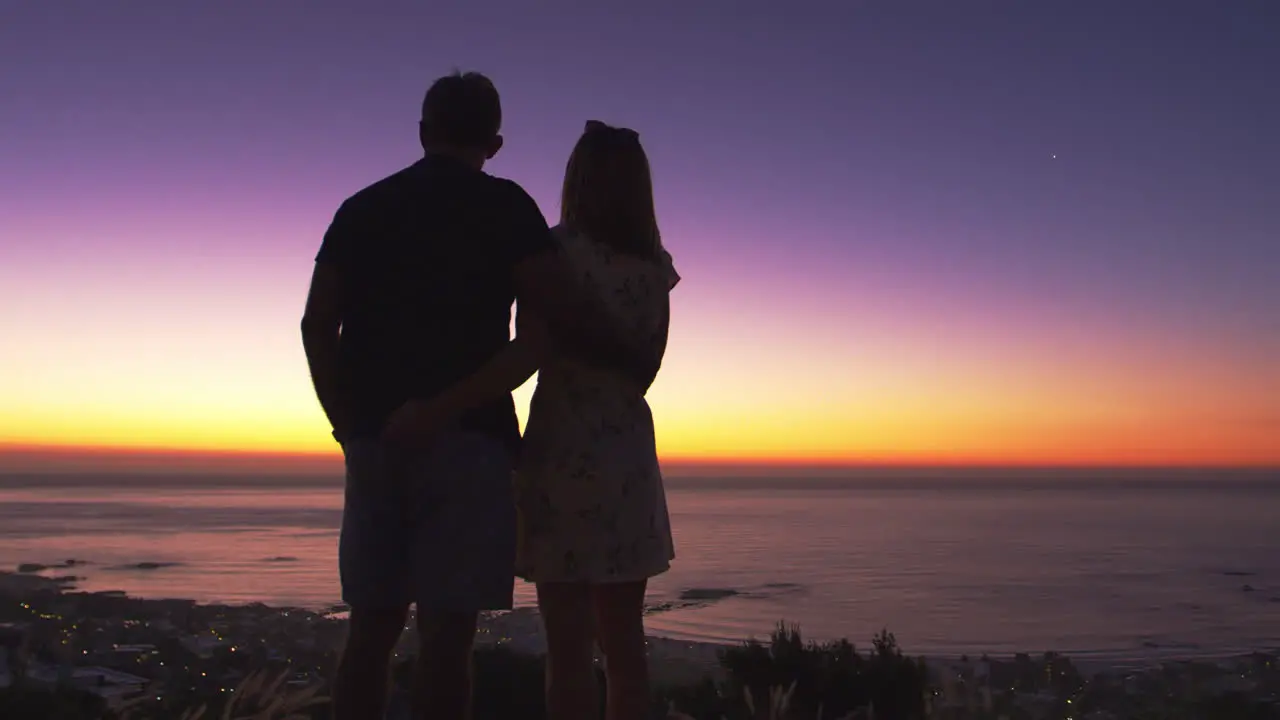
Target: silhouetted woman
x,y
594,515
594,524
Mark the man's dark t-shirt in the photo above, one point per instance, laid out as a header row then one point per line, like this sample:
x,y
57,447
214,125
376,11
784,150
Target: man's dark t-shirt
x,y
427,258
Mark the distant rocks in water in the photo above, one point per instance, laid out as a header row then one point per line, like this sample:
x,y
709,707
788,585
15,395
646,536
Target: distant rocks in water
x,y
783,586
660,607
145,566
41,567
708,593
22,584
154,565
775,590
1248,588
692,598
280,559
702,597
1240,573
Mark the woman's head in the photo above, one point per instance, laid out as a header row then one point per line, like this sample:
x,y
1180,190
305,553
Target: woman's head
x,y
608,193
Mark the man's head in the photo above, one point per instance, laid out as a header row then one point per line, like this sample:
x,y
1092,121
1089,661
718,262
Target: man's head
x,y
461,116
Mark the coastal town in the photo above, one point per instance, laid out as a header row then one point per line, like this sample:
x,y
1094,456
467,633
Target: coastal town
x,y
179,654
118,647
166,655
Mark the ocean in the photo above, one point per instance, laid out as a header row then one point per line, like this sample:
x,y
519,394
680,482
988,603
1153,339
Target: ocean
x,y
1111,566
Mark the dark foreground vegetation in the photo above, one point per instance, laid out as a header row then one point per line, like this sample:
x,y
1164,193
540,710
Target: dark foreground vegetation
x,y
785,678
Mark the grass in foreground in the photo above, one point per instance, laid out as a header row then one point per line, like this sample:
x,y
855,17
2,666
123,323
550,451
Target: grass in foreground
x,y
785,678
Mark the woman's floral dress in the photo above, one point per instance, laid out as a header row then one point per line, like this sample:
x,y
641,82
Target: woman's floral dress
x,y
589,489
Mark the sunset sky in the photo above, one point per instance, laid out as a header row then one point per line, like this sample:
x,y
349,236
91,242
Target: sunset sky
x,y
1023,232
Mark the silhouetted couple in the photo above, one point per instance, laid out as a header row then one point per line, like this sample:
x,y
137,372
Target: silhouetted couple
x,y
407,334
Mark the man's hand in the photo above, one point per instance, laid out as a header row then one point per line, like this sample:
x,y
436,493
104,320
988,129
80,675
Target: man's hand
x,y
415,423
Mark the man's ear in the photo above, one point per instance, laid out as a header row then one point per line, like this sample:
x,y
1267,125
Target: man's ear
x,y
494,147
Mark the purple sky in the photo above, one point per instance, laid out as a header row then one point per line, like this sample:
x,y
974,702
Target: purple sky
x,y
1010,180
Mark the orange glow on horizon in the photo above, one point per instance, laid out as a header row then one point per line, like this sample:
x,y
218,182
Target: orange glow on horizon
x,y
133,458
754,389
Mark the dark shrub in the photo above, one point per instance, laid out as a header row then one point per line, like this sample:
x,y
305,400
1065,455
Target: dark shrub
x,y
831,677
17,703
507,684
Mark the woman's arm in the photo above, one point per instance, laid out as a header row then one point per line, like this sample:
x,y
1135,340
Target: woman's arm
x,y
576,320
512,366
521,358
658,340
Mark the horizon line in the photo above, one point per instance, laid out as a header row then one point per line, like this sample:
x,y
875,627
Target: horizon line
x,y
71,459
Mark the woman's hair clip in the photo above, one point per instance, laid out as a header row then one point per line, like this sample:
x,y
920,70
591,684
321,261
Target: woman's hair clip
x,y
595,126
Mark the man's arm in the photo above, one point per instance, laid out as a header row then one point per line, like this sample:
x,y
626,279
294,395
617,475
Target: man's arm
x,y
321,329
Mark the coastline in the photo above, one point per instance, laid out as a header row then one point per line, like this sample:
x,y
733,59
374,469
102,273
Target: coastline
x,y
520,630
122,648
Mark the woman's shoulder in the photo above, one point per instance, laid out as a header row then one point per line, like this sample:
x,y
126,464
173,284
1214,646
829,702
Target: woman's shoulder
x,y
562,233
570,241
579,245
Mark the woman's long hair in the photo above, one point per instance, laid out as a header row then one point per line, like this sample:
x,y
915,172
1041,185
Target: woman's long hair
x,y
608,192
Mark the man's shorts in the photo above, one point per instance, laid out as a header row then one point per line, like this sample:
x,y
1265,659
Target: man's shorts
x,y
435,527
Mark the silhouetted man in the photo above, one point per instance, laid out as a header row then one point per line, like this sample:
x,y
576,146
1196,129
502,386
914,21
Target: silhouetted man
x,y
412,292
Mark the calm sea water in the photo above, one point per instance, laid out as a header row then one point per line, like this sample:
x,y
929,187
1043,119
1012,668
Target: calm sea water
x,y
1111,566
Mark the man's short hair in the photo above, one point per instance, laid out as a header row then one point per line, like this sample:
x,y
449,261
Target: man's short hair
x,y
462,110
